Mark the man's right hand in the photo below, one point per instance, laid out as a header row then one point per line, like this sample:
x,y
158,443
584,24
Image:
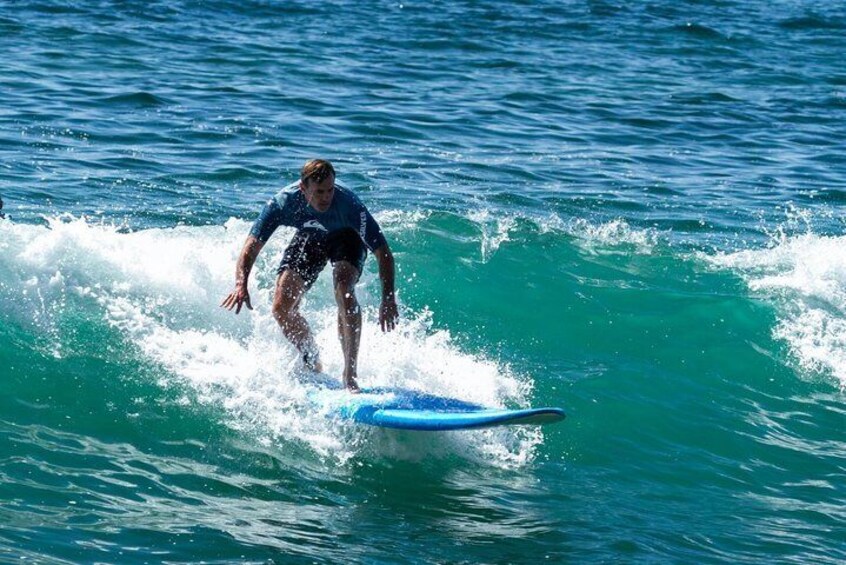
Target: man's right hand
x,y
237,298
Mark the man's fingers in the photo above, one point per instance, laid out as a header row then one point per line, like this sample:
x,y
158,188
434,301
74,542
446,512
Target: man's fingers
x,y
236,301
388,317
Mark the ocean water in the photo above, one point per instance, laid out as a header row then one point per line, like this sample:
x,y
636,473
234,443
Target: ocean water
x,y
632,210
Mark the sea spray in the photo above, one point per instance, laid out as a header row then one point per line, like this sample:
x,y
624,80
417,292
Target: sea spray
x,y
160,289
805,277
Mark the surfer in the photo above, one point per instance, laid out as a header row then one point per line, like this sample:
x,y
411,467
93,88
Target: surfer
x,y
332,225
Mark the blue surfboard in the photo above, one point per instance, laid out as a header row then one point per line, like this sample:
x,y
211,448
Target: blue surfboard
x,y
413,410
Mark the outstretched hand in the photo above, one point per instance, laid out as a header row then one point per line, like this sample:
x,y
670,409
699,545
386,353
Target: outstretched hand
x,y
388,314
237,298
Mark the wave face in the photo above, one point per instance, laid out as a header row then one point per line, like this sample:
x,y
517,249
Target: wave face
x,y
632,211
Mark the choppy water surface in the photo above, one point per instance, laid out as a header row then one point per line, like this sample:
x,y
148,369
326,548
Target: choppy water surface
x,y
631,210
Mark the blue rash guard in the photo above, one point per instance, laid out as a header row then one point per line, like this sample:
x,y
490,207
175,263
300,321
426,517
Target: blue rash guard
x,y
289,208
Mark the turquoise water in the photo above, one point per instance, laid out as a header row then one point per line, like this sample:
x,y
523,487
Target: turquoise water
x,y
630,210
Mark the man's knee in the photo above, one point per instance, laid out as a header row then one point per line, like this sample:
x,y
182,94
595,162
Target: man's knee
x,y
286,299
345,298
345,277
344,292
282,308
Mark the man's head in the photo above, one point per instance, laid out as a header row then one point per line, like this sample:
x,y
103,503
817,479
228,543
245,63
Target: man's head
x,y
317,182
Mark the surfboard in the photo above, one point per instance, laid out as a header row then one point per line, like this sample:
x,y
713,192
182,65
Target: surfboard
x,y
414,410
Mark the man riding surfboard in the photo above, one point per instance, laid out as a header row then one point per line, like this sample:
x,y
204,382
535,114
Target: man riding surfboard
x,y
332,225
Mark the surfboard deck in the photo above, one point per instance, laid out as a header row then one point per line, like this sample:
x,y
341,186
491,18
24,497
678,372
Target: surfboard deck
x,y
413,410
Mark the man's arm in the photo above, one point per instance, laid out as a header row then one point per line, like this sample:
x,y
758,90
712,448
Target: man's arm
x,y
246,260
388,313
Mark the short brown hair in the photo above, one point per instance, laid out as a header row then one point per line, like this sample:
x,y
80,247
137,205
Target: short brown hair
x,y
317,170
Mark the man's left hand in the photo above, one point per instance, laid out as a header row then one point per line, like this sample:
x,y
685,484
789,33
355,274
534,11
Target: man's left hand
x,y
388,314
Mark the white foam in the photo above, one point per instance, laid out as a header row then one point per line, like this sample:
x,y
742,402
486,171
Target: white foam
x,y
495,230
805,276
161,289
613,236
390,220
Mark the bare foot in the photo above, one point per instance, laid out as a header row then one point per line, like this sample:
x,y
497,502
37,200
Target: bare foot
x,y
311,361
351,385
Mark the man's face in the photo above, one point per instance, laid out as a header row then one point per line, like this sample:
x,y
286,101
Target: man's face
x,y
319,194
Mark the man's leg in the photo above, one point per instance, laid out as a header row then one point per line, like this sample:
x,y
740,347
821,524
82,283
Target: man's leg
x,y
345,275
290,289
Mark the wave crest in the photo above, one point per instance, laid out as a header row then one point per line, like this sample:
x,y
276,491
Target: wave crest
x,y
805,276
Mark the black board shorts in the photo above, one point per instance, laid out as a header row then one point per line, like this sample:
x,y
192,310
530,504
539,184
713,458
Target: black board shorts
x,y
309,251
